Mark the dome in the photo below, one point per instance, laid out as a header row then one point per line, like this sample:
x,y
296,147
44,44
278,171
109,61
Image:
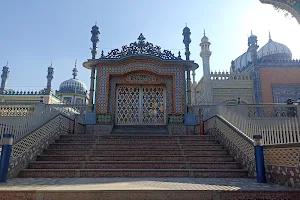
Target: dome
x,y
73,85
243,61
274,50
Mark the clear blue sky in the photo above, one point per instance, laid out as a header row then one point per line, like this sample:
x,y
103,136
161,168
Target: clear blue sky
x,y
35,33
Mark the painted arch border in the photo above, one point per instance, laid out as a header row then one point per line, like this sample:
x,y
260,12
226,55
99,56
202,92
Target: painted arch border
x,y
284,6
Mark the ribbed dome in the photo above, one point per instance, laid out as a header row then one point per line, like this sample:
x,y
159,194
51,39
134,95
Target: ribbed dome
x,y
274,50
243,61
72,85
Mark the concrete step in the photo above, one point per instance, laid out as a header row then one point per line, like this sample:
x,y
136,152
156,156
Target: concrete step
x,y
78,146
131,165
122,137
135,152
195,158
141,141
153,173
144,189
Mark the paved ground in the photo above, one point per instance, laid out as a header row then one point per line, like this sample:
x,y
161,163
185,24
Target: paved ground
x,y
82,184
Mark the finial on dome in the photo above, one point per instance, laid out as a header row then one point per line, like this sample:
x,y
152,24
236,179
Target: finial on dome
x,y
75,70
204,32
185,24
251,32
270,39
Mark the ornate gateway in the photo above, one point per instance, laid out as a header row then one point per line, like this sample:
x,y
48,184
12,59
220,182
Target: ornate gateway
x,y
141,105
138,84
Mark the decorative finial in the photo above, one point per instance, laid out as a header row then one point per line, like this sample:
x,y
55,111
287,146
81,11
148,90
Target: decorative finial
x,y
185,24
7,63
75,70
179,54
102,54
251,32
204,32
186,41
95,23
141,37
270,39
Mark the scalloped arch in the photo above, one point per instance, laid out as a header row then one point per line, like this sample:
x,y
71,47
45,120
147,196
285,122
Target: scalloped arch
x,y
288,6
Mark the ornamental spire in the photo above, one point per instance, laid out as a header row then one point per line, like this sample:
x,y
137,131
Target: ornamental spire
x,y
75,70
186,41
270,38
94,39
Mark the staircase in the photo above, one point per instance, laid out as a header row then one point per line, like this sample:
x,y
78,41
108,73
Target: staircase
x,y
128,154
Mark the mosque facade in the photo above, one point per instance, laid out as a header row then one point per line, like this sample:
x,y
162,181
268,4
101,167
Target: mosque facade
x,y
258,76
71,91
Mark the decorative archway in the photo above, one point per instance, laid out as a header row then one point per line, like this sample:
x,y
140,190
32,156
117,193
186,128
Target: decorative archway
x,y
291,6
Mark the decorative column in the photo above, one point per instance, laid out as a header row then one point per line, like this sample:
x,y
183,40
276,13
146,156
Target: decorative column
x,y
186,41
95,39
4,76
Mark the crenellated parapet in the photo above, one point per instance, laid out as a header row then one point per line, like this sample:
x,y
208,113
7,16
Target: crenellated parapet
x,y
231,77
280,61
42,92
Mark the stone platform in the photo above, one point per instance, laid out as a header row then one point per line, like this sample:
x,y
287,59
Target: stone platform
x,y
144,188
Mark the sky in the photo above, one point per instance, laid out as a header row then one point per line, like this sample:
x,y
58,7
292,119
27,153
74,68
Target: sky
x,y
35,33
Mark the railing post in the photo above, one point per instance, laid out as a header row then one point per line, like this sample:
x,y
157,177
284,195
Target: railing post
x,y
5,156
259,159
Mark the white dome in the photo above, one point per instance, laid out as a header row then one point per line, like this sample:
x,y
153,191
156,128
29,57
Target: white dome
x,y
274,50
242,61
72,84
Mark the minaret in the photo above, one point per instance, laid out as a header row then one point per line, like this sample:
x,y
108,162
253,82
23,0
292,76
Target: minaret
x,y
205,55
186,41
50,77
252,47
75,71
95,39
4,76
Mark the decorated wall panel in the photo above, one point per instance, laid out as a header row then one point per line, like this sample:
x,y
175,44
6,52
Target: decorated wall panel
x,y
269,74
281,92
223,98
105,83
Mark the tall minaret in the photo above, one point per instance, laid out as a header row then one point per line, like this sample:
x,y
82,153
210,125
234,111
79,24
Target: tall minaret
x,y
205,55
50,77
252,47
186,41
4,76
94,39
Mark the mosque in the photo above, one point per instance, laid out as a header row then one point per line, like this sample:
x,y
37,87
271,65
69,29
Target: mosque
x,y
260,75
71,91
141,84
